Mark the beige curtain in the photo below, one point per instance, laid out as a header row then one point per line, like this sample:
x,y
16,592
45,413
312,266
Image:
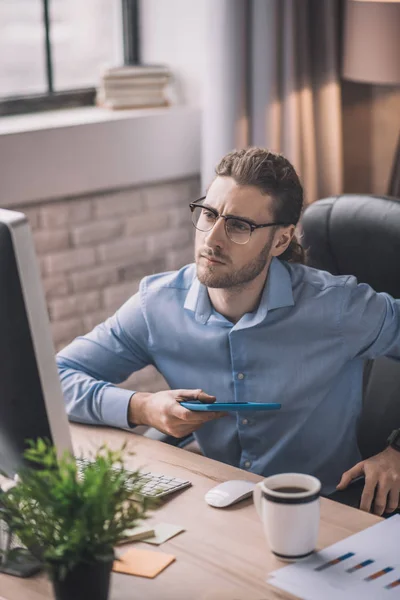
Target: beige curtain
x,y
272,80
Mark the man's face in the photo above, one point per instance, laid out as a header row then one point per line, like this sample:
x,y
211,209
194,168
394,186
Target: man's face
x,y
220,262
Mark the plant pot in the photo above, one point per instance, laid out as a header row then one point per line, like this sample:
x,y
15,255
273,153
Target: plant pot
x,y
85,581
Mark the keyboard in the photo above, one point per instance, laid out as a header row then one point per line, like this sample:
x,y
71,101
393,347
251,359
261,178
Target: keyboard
x,y
159,486
155,485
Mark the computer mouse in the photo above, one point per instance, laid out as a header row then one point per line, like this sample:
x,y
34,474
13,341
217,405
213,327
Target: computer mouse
x,y
229,492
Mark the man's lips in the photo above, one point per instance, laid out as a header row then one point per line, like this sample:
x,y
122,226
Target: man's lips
x,y
212,260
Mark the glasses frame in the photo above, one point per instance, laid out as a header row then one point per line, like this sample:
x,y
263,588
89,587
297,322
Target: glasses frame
x,y
252,226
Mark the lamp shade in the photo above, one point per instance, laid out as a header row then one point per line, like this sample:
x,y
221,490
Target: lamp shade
x,y
371,52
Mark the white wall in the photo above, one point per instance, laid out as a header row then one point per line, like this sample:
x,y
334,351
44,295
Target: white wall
x,y
80,151
174,32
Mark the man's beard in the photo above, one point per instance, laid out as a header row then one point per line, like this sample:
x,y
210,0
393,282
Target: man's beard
x,y
210,277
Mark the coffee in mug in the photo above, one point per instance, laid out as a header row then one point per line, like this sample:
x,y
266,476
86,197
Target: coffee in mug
x,y
288,506
290,490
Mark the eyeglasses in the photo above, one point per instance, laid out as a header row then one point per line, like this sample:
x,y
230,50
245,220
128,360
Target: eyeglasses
x,y
237,229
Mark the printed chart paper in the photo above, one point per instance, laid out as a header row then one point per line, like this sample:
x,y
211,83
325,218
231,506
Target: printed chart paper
x,y
365,565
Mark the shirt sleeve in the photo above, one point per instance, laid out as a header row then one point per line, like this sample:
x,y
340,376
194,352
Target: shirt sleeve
x,y
370,322
92,364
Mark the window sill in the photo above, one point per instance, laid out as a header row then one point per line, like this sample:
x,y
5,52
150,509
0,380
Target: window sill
x,y
79,151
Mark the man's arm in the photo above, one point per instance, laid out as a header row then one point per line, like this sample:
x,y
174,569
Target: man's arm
x,y
371,328
370,322
91,365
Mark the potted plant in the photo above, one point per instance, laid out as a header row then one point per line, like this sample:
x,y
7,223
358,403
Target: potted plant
x,y
71,517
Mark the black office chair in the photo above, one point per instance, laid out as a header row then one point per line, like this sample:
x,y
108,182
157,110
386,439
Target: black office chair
x,y
360,235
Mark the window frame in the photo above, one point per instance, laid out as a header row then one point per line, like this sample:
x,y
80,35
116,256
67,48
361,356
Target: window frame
x,y
52,100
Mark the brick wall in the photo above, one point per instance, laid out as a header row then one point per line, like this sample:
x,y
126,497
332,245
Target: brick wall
x,y
94,250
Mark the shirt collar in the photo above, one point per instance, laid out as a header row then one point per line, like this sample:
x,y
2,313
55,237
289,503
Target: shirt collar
x,y
277,293
197,300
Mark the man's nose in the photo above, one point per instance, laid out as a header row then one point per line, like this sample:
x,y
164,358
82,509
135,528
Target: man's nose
x,y
217,235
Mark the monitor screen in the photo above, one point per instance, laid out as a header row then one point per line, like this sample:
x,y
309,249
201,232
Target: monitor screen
x,y
31,404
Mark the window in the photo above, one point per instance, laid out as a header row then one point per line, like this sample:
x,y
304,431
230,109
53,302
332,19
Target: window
x,y
52,52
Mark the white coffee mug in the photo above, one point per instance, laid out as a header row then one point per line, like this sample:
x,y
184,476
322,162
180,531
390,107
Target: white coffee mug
x,y
290,518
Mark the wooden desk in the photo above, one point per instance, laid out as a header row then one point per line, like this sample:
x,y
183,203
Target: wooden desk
x,y
222,555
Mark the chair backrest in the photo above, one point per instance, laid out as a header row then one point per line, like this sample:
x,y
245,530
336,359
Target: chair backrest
x,y
360,235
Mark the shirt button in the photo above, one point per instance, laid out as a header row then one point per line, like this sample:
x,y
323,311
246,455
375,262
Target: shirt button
x,y
245,421
247,464
240,376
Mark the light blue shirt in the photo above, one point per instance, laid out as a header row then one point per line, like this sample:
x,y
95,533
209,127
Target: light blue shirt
x,y
303,347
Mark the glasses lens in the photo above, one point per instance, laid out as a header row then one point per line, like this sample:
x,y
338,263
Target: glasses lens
x,y
238,231
203,219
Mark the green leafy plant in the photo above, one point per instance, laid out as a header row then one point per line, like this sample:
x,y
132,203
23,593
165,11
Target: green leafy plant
x,y
68,515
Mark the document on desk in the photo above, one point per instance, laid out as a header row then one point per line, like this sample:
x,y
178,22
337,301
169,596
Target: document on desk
x,y
365,565
163,532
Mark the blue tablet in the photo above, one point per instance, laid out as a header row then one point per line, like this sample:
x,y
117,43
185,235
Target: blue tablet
x,y
230,406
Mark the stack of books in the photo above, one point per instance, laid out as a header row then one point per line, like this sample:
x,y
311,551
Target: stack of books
x,y
133,86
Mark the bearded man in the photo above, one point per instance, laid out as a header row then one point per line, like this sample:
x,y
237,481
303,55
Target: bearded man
x,y
248,321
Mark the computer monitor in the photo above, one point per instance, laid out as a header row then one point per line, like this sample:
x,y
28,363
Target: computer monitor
x,y
31,402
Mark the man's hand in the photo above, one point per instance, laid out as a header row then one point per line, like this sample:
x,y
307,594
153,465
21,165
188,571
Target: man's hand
x,y
163,411
382,472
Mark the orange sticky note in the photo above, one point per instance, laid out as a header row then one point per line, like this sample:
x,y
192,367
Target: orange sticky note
x,y
144,563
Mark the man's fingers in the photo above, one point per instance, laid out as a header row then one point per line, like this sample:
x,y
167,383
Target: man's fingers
x,y
349,475
381,497
217,414
387,496
393,500
182,395
196,416
368,493
203,397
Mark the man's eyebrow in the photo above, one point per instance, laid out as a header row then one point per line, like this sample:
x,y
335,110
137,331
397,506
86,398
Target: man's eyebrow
x,y
241,218
230,215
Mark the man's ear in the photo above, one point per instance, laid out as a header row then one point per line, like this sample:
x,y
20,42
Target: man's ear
x,y
282,239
